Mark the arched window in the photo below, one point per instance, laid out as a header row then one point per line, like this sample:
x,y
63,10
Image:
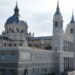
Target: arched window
x,y
15,44
4,44
10,44
71,30
12,31
56,24
17,29
20,44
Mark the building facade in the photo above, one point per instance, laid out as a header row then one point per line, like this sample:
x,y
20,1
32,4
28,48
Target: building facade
x,y
23,54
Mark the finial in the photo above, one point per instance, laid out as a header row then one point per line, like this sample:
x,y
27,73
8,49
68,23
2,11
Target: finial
x,y
57,9
72,18
16,6
16,3
72,12
16,10
57,2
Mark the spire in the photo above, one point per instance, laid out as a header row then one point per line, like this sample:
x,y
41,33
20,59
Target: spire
x,y
72,18
16,10
57,9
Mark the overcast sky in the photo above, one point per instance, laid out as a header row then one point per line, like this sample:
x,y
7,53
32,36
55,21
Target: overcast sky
x,y
37,13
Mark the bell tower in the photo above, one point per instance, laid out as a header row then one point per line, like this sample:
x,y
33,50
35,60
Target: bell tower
x,y
57,21
58,40
57,28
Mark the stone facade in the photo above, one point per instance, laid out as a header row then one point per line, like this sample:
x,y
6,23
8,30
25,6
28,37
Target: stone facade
x,y
23,54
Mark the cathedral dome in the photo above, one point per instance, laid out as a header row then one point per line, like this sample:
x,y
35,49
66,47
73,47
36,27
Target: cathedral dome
x,y
14,18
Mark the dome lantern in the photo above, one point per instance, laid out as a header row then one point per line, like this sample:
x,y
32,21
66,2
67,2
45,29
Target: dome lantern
x,y
16,10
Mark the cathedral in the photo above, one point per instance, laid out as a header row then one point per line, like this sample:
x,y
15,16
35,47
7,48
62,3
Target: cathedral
x,y
23,54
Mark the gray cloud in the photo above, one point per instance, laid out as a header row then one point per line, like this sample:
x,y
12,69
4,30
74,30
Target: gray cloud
x,y
40,23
